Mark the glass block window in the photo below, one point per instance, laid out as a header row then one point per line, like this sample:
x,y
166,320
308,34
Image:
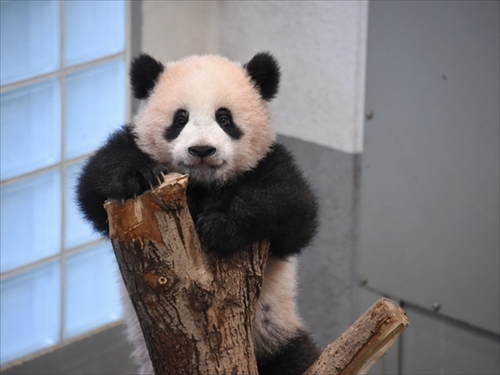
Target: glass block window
x,y
62,81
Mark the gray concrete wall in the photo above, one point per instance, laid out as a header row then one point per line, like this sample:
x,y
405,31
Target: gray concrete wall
x,y
321,47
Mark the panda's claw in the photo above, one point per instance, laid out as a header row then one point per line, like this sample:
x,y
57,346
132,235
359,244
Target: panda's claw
x,y
160,179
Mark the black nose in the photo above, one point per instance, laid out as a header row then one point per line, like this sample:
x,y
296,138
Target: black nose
x,y
202,151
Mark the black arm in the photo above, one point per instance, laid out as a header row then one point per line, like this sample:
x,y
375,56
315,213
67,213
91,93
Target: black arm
x,y
273,201
118,170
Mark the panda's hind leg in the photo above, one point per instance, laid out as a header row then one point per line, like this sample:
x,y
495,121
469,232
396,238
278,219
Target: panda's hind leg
x,y
292,359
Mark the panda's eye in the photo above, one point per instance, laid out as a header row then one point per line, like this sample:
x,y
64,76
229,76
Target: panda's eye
x,y
223,117
181,118
225,120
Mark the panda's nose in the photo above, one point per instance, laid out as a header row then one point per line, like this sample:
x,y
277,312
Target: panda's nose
x,y
202,151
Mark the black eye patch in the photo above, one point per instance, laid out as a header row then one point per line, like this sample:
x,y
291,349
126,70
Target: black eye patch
x,y
181,118
224,118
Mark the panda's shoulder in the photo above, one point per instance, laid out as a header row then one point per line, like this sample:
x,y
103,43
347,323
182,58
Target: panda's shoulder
x,y
279,158
124,135
280,153
119,153
277,166
118,139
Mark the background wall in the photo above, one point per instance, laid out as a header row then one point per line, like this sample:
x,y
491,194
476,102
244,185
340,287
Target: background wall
x,y
432,82
429,218
321,47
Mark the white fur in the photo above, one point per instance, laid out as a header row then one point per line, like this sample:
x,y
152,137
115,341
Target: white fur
x,y
202,130
278,294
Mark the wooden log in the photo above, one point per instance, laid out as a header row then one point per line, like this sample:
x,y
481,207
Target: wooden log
x,y
364,342
196,311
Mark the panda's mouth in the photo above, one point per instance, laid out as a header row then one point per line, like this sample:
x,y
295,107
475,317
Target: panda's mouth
x,y
202,165
205,172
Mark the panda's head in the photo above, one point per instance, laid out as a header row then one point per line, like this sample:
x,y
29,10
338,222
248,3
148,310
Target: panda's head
x,y
205,115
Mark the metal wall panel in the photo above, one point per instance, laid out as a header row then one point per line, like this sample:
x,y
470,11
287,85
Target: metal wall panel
x,y
429,196
433,344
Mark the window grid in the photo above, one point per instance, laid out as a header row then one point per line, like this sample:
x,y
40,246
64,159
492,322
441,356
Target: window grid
x,y
64,252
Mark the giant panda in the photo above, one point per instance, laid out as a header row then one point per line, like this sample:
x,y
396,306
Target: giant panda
x,y
208,117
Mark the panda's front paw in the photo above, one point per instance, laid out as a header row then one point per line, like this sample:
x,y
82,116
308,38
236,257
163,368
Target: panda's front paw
x,y
218,233
137,181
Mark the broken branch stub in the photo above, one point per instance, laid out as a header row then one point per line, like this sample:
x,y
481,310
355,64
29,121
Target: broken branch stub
x,y
364,342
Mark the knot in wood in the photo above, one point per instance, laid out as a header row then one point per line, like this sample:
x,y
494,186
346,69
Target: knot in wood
x,y
159,282
200,298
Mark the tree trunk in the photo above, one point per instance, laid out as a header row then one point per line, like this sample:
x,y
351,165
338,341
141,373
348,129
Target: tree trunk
x,y
196,311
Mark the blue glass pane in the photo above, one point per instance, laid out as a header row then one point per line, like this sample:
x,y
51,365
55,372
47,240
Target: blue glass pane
x,y
78,231
95,105
30,312
91,294
29,39
31,128
93,29
31,220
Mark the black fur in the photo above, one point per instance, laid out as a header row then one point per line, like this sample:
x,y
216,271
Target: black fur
x,y
264,71
273,201
225,120
118,170
293,359
144,73
181,118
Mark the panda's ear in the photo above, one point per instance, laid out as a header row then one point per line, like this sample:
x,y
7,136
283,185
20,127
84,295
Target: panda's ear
x,y
144,73
264,71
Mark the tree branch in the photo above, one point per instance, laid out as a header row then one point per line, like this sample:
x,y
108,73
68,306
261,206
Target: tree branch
x,y
364,342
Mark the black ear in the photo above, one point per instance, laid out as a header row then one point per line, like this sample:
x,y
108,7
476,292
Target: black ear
x,y
144,73
265,73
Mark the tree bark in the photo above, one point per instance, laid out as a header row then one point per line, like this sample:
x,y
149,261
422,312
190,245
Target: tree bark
x,y
196,311
364,342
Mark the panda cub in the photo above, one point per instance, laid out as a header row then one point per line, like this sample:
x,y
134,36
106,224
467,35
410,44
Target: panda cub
x,y
208,117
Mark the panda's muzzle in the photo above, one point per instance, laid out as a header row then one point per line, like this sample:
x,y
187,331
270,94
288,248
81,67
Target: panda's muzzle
x,y
202,151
